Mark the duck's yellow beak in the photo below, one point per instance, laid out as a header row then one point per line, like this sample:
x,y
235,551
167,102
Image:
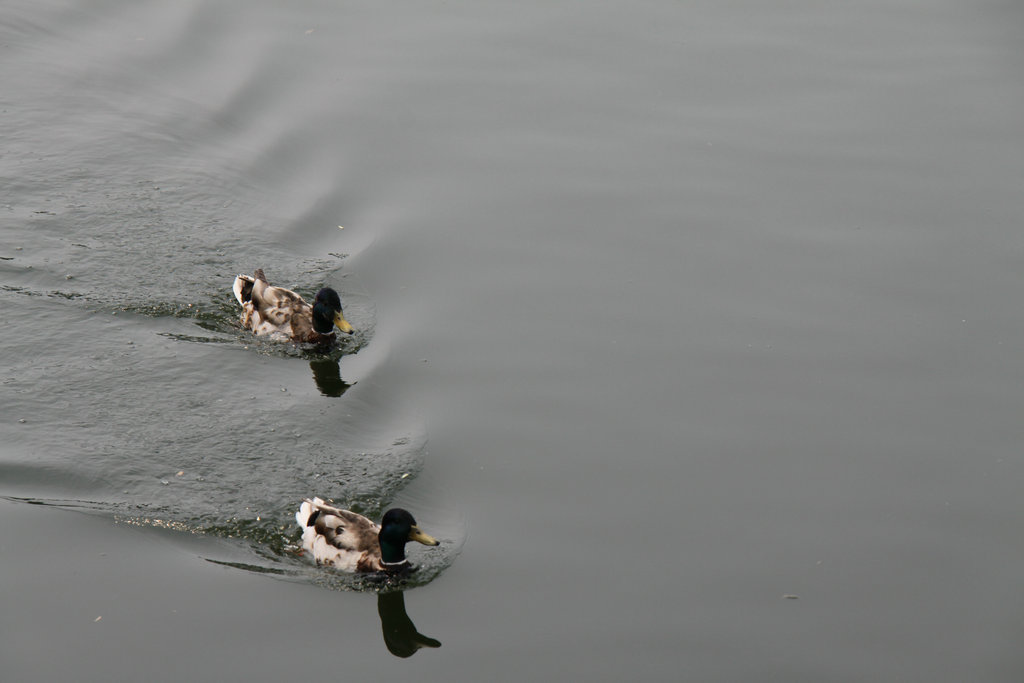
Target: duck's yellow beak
x,y
416,535
342,324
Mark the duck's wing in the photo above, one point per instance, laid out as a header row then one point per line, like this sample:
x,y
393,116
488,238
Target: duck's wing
x,y
301,324
277,305
342,529
339,538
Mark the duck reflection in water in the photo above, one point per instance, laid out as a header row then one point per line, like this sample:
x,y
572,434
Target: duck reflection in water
x,y
400,634
327,375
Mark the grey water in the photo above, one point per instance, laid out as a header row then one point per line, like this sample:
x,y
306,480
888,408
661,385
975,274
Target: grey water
x,y
693,330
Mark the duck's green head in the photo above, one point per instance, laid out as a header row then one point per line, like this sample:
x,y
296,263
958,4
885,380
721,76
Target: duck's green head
x,y
396,529
327,312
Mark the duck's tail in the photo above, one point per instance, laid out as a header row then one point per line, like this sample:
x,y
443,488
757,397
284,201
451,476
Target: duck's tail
x,y
306,511
243,289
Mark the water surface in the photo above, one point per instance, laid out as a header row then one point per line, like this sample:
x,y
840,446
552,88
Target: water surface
x,y
692,330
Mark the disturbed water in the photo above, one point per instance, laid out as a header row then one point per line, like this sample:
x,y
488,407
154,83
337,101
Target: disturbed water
x,y
693,331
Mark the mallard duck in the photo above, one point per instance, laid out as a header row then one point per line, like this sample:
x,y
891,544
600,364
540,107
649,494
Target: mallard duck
x,y
282,314
346,540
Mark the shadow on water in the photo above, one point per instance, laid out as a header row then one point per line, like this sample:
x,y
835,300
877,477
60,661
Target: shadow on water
x,y
327,376
400,634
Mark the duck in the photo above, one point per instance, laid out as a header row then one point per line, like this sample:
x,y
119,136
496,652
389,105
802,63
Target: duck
x,y
283,315
346,540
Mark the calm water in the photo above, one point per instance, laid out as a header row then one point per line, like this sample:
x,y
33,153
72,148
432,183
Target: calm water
x,y
693,330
